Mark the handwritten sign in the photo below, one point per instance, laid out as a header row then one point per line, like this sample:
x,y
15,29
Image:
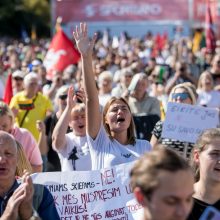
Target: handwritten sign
x,y
186,122
92,195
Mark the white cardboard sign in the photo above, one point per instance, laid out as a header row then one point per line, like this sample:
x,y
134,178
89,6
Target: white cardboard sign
x,y
186,122
92,195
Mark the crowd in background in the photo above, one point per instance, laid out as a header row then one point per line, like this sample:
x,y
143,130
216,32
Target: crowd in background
x,y
146,72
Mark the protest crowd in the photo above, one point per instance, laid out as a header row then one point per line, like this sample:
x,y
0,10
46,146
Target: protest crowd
x,y
107,107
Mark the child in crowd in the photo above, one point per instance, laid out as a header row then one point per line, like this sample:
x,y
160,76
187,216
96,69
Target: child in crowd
x,y
72,148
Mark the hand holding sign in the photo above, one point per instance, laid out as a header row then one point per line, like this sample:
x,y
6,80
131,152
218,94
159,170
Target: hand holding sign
x,y
186,122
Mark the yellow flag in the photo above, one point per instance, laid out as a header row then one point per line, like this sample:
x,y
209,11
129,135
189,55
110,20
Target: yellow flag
x,y
196,41
33,33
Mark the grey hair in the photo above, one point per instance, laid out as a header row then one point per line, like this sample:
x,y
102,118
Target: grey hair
x,y
29,77
6,138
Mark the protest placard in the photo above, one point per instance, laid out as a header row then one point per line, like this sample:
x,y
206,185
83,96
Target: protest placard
x,y
186,122
85,195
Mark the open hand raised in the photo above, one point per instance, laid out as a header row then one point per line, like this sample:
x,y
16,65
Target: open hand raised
x,y
84,44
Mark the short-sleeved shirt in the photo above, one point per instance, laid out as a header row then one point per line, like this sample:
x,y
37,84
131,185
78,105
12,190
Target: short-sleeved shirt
x,y
75,155
29,144
37,111
183,148
148,106
209,99
106,152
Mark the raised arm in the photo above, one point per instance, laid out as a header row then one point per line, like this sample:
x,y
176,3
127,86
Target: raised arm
x,y
85,47
58,136
42,140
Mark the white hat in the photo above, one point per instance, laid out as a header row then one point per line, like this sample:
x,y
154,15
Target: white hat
x,y
36,62
70,69
18,73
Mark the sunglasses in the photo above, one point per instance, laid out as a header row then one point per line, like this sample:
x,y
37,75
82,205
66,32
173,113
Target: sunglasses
x,y
18,78
181,96
63,97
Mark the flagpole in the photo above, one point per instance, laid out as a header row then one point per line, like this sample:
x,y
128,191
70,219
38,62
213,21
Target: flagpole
x,y
209,29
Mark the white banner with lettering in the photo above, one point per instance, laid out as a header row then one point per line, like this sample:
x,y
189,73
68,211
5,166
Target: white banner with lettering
x,y
92,195
185,122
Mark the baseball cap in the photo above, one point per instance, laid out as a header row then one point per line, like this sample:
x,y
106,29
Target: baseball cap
x,y
18,73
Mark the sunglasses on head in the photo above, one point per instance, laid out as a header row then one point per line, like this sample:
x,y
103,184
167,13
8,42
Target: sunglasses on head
x,y
182,96
63,97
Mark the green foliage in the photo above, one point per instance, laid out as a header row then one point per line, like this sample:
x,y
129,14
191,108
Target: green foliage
x,y
18,14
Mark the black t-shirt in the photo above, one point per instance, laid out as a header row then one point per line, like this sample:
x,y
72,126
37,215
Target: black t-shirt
x,y
199,207
53,161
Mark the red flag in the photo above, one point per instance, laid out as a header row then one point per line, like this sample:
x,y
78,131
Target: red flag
x,y
61,53
209,30
8,93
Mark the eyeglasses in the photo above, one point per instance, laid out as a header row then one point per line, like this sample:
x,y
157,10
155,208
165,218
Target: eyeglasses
x,y
63,97
18,78
182,96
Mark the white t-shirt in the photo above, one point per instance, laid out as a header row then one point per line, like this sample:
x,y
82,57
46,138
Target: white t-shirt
x,y
209,99
107,153
103,99
75,156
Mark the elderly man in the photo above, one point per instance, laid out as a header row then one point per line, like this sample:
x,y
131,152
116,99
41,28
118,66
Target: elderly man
x,y
30,105
17,197
139,100
17,81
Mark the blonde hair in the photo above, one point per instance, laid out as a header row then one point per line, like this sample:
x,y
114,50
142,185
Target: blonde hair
x,y
205,138
202,76
79,107
22,163
189,87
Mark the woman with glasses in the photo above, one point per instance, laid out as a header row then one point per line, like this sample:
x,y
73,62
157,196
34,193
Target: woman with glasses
x,y
205,160
181,93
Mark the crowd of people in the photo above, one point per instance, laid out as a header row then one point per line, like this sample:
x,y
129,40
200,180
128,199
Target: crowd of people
x,y
107,110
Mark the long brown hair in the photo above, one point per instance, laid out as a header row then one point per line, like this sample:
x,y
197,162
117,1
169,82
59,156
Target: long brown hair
x,y
131,128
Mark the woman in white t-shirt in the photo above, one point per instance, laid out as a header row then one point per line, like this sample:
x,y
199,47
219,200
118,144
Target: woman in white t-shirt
x,y
207,96
112,142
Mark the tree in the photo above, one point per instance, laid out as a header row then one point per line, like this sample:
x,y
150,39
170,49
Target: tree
x,y
16,15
